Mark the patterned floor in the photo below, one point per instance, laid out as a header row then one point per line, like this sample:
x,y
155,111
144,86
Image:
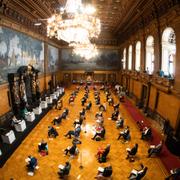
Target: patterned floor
x,y
15,167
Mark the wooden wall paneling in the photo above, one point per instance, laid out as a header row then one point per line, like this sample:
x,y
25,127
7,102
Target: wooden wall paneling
x,y
41,84
152,98
168,107
137,89
4,101
177,65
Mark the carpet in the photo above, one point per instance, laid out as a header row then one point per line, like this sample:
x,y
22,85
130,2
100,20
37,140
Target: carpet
x,y
169,160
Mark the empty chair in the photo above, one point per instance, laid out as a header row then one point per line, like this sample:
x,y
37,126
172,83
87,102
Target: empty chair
x,y
64,170
155,149
138,174
132,152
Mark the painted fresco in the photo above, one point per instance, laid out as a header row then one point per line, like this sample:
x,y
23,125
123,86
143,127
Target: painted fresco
x,y
107,59
53,57
18,49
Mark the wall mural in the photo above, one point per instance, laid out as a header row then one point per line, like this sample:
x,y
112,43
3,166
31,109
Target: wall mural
x,y
53,58
107,59
18,49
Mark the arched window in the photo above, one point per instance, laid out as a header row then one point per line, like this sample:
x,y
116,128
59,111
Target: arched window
x,y
124,59
138,56
168,52
150,54
130,58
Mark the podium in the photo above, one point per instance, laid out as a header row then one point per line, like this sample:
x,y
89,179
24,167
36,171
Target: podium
x,y
30,116
37,110
43,104
21,126
9,137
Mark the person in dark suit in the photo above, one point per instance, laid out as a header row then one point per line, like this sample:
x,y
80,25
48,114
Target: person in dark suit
x,y
64,170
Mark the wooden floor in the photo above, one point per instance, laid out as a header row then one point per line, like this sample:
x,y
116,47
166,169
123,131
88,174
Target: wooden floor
x,y
15,167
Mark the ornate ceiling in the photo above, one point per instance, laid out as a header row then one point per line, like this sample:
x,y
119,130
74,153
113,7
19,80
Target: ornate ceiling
x,y
117,16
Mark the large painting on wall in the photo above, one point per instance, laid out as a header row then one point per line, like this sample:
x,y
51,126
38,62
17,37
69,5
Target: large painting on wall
x,y
18,49
53,58
107,59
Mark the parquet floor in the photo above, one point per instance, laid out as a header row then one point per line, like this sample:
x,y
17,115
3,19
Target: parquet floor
x,y
15,167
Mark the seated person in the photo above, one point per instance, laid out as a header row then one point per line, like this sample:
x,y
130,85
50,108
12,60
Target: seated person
x,y
100,133
116,106
120,123
64,170
59,104
97,101
102,153
89,105
82,113
57,120
52,132
77,121
104,172
115,115
73,150
99,114
31,165
111,101
71,99
43,148
75,133
102,107
125,134
131,152
138,174
83,101
146,133
155,149
175,174
65,113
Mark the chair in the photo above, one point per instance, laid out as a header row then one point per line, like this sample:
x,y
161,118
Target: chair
x,y
132,152
155,149
104,154
146,134
138,174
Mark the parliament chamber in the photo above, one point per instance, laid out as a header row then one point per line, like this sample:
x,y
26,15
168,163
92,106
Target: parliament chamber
x,y
89,89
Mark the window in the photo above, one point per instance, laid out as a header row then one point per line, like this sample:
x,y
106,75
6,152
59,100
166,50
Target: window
x,y
168,52
138,56
130,58
124,59
150,54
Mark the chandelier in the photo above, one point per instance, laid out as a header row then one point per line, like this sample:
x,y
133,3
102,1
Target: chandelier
x,y
75,24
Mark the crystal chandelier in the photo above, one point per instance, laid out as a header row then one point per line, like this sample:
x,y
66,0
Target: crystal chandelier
x,y
75,24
